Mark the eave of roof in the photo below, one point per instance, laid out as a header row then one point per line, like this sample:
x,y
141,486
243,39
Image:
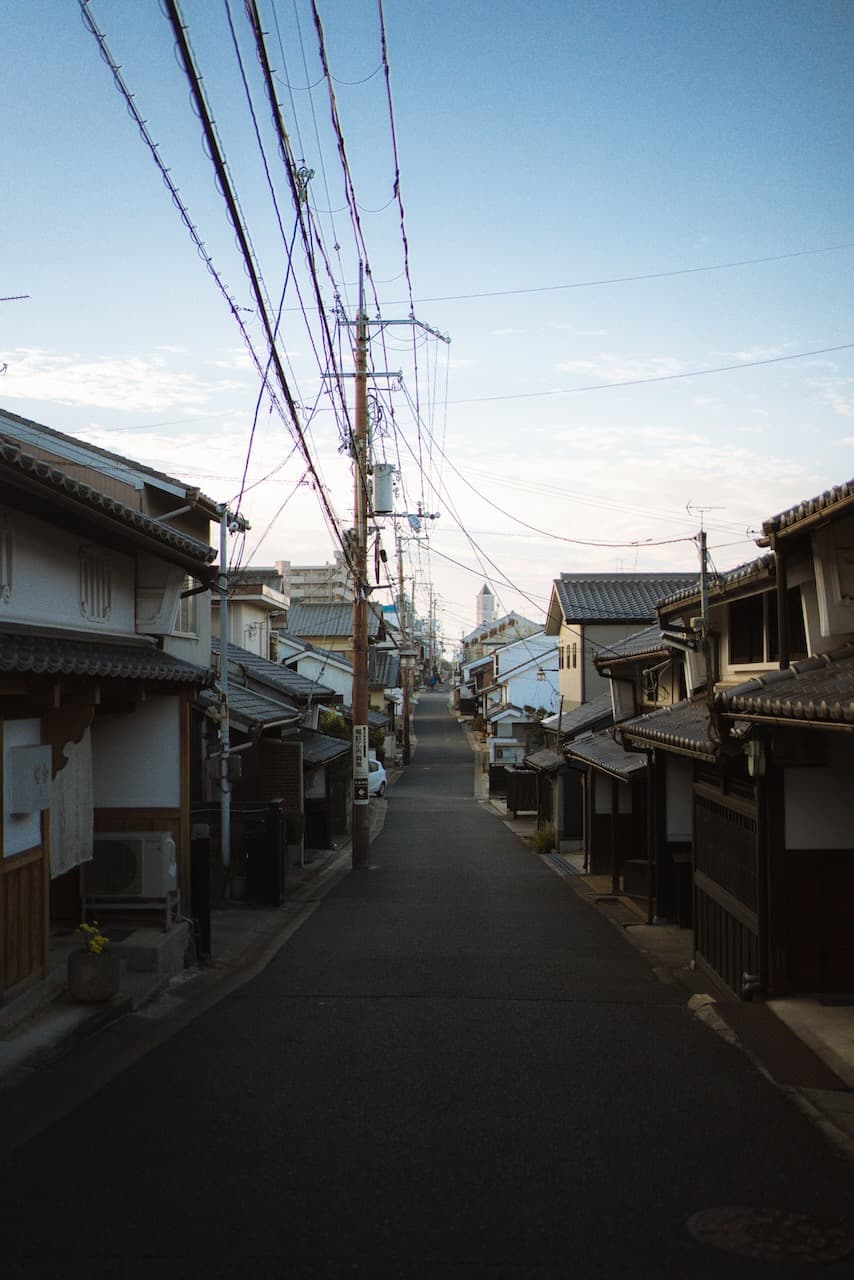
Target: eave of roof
x,y
817,691
69,446
805,514
248,709
319,748
84,655
583,717
545,761
603,753
22,472
724,584
682,727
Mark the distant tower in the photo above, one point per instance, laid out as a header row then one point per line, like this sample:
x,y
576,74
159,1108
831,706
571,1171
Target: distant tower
x,y
485,607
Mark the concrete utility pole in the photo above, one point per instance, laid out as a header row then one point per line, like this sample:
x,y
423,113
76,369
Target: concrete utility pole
x,y
228,523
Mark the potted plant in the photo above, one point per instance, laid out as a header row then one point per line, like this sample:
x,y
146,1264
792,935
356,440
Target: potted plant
x,y
94,971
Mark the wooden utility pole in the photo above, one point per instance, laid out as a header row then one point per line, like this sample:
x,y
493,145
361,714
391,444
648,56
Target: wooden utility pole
x,y
361,814
359,562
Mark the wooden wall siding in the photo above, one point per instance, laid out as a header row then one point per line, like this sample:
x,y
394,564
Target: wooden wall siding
x,y
167,819
725,843
24,918
727,945
819,920
280,775
726,922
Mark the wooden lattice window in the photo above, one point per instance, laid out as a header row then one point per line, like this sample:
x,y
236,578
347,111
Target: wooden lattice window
x,y
96,601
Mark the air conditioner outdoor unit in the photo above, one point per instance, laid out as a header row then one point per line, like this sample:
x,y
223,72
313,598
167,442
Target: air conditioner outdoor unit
x,y
132,864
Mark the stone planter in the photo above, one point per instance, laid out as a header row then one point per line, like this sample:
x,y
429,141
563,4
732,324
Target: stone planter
x,y
93,978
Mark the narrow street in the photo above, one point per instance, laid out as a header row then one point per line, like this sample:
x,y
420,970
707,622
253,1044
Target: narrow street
x,y
454,1068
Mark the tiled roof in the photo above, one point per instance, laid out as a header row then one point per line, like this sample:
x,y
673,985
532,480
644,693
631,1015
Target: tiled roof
x,y
319,748
819,506
722,583
509,627
55,441
106,660
298,648
376,719
602,752
616,597
274,676
597,713
546,761
647,641
250,709
330,621
384,667
22,466
819,689
683,726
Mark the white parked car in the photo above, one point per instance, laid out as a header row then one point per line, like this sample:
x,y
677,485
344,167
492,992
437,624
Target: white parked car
x,y
377,780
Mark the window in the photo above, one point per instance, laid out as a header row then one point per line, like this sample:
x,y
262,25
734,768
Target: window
x,y
6,560
188,617
95,585
797,631
560,657
747,630
753,631
574,655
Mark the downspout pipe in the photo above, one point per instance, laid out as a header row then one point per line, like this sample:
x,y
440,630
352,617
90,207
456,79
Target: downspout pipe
x,y
783,638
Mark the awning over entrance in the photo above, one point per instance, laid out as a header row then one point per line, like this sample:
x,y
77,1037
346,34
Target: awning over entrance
x,y
602,752
818,691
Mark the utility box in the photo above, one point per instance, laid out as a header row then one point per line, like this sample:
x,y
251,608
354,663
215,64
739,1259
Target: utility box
x,y
383,489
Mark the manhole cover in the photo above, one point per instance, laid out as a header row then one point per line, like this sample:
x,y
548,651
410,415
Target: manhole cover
x,y
770,1235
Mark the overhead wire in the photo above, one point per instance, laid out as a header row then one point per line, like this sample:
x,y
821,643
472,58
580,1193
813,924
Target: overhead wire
x,y
236,219
661,377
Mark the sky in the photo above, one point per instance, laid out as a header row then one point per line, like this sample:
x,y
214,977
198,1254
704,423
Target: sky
x,y
633,220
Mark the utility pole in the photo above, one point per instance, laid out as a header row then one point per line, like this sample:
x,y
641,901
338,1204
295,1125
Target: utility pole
x,y
228,523
359,562
361,815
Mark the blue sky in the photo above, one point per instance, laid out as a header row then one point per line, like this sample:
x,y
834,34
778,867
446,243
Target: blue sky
x,y
543,149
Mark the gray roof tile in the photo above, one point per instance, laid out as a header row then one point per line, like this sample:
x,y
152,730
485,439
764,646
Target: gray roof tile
x,y
274,676
616,597
23,466
27,654
327,621
820,505
684,726
602,752
818,689
720,584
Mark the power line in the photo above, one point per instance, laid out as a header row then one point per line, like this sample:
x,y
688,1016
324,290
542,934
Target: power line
x,y
650,275
663,377
229,195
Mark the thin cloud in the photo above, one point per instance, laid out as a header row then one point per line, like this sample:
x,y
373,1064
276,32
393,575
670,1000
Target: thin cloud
x,y
608,367
137,383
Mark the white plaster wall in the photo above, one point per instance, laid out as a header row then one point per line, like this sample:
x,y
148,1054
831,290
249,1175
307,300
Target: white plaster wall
x,y
818,805
602,794
314,668
46,579
20,830
136,758
679,796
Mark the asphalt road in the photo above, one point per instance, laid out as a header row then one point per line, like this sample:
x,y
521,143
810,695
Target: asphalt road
x,y
456,1067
